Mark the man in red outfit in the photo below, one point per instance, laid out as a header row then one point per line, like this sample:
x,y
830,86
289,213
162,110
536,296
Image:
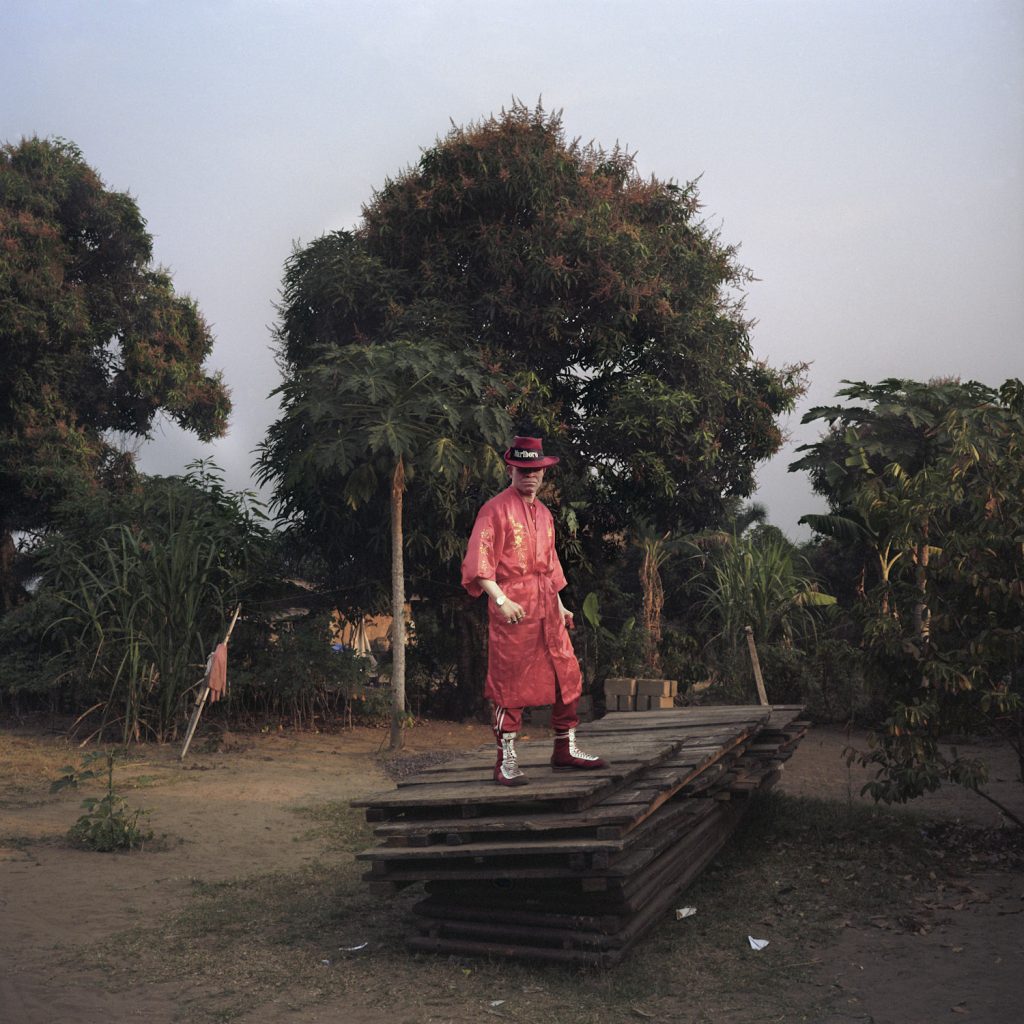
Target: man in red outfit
x,y
511,557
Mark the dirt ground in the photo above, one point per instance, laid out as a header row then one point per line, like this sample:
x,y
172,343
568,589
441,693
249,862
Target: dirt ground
x,y
234,810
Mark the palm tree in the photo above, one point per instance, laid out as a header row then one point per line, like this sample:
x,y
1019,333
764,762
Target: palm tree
x,y
362,419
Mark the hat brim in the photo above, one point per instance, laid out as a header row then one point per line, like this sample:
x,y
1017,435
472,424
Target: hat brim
x,y
542,463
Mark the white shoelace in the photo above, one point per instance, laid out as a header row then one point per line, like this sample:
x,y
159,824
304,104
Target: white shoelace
x,y
509,759
575,751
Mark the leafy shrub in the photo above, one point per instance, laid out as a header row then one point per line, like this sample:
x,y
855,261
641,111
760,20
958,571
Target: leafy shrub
x,y
35,659
290,673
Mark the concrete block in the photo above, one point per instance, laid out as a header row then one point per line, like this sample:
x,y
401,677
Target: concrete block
x,y
618,687
656,687
644,703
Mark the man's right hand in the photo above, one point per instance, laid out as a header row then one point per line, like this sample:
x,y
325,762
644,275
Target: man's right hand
x,y
513,612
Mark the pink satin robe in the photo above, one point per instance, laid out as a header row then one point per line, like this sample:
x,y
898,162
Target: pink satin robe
x,y
513,543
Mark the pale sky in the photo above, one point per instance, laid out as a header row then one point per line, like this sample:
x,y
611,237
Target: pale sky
x,y
867,155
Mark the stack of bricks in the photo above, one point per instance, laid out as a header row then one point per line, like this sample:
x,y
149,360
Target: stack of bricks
x,y
639,694
655,694
620,694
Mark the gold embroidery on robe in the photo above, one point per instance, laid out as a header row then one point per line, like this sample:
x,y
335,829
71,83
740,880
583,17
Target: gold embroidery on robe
x,y
519,541
486,552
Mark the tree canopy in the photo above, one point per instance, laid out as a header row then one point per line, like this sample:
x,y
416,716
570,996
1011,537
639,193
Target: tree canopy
x,y
601,300
94,339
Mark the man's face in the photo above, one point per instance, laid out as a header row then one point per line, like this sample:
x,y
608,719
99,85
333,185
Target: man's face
x,y
527,481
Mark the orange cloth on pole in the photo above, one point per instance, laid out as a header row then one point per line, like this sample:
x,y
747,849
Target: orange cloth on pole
x,y
513,543
217,673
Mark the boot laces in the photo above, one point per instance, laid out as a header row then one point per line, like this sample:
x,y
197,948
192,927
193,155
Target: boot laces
x,y
575,751
509,759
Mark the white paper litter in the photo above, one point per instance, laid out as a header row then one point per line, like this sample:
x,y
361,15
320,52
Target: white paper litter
x,y
497,1002
685,912
353,949
756,943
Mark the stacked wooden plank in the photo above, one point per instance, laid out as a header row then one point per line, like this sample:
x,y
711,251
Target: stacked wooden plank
x,y
575,866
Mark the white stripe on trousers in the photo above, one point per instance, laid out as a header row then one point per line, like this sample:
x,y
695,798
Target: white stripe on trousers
x,y
499,719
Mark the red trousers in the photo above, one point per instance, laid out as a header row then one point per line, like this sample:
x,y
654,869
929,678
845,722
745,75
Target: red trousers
x,y
563,716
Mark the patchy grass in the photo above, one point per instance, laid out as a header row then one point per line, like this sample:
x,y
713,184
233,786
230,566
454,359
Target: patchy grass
x,y
797,871
344,826
22,843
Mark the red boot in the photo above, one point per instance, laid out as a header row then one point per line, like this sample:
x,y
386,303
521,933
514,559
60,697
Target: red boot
x,y
506,770
568,755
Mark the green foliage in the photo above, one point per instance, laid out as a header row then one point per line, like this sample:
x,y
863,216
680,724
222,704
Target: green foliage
x,y
591,303
291,675
94,339
108,824
361,424
825,676
144,583
354,412
35,649
760,580
348,418
746,575
682,657
929,480
605,651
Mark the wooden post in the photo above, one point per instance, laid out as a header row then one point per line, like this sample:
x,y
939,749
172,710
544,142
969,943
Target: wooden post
x,y
204,691
758,678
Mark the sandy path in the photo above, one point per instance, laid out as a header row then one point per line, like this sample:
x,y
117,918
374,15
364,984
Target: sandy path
x,y
225,814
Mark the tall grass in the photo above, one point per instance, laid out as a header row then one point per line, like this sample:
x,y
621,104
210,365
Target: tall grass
x,y
144,589
143,610
762,582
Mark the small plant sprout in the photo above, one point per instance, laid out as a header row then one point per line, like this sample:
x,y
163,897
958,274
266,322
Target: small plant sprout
x,y
108,823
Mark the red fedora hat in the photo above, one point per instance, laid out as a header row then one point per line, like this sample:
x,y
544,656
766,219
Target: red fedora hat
x,y
528,453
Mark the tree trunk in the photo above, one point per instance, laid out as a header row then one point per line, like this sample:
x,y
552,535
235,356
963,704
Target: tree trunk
x,y
10,591
470,622
922,613
397,609
654,601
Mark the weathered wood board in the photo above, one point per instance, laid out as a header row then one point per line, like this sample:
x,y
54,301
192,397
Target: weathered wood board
x,y
576,866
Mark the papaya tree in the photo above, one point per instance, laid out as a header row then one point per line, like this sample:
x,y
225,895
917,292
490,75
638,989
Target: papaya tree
x,y
360,425
930,476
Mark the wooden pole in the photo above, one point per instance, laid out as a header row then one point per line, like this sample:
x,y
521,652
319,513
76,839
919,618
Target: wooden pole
x,y
204,691
397,609
758,678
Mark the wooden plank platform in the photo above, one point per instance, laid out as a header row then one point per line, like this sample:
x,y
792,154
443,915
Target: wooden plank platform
x,y
575,866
